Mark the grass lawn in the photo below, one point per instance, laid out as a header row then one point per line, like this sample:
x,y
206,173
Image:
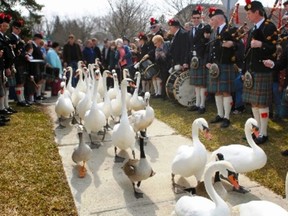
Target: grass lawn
x,y
271,176
32,178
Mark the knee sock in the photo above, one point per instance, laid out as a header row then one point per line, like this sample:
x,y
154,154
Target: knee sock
x,y
143,82
2,107
38,90
22,94
219,105
154,82
159,86
43,86
6,98
18,91
227,101
197,92
256,115
203,92
264,117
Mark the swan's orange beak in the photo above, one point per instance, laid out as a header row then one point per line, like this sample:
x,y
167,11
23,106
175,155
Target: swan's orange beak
x,y
255,131
207,133
232,177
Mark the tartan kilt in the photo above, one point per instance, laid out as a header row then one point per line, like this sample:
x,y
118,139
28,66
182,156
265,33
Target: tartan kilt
x,y
261,92
225,81
198,77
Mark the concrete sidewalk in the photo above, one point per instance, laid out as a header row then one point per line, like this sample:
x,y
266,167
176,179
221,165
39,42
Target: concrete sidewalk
x,y
106,190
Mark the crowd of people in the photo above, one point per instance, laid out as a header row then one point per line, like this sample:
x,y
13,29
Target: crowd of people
x,y
238,66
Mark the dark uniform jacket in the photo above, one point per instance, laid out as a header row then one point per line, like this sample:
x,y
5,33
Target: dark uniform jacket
x,y
253,60
8,56
179,48
18,48
198,42
219,54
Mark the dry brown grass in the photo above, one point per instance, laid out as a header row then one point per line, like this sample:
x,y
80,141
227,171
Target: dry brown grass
x,y
271,176
32,179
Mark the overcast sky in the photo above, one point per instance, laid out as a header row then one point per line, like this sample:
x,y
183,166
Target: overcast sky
x,y
76,8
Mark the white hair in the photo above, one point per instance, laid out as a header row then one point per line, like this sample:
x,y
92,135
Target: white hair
x,y
119,41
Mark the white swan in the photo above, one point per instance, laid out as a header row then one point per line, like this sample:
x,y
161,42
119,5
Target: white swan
x,y
70,88
243,158
137,102
123,135
94,119
138,170
201,206
85,103
191,159
82,153
259,208
128,94
105,106
63,107
142,119
112,92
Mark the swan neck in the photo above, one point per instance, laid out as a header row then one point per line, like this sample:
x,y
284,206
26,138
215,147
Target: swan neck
x,y
249,138
219,202
80,135
195,131
123,98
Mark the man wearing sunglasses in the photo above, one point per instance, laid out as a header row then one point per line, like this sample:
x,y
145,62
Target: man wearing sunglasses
x,y
198,38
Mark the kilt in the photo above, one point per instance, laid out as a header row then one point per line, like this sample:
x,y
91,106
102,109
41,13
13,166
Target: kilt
x,y
20,75
198,77
261,92
225,81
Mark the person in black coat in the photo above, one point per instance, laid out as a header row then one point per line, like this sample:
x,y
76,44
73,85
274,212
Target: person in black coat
x,y
18,48
178,45
198,37
261,44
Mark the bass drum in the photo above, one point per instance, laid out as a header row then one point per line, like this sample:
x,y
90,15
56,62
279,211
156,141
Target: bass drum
x,y
178,88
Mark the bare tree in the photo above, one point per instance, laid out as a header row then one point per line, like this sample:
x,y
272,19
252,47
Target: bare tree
x,y
127,18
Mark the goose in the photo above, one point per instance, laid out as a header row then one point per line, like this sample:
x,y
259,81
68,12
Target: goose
x,y
82,153
137,102
191,159
201,206
94,119
63,106
138,170
243,158
123,134
142,119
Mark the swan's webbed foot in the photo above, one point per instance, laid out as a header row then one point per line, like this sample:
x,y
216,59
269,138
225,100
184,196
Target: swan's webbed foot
x,y
190,190
137,194
241,190
108,127
104,134
74,121
119,159
95,145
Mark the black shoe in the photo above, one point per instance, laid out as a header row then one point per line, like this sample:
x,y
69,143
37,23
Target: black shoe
x,y
4,118
193,108
2,123
157,96
10,109
5,112
201,110
261,140
285,153
225,123
40,98
22,104
216,120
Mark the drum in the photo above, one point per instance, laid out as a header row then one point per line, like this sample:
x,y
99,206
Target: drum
x,y
178,88
148,69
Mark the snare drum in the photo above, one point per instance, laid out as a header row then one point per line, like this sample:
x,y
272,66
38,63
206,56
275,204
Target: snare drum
x,y
178,88
148,69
